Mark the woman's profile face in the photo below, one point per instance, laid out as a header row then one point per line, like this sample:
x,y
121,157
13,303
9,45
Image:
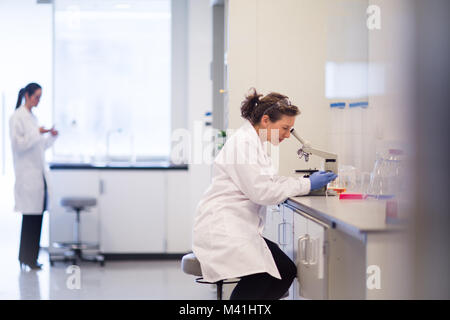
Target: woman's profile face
x,y
34,98
279,130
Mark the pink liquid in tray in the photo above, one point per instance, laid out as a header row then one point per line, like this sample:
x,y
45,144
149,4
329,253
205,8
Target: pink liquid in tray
x,y
352,196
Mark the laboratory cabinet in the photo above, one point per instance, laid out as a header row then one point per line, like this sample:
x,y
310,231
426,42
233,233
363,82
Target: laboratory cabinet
x,y
310,254
132,209
314,244
132,214
345,250
273,220
300,239
279,229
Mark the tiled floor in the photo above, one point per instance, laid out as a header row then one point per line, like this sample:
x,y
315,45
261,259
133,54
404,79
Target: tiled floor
x,y
116,280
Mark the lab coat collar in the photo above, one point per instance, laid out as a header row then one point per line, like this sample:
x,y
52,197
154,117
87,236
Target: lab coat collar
x,y
25,109
251,129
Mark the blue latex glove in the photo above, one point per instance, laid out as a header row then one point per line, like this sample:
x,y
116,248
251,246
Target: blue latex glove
x,y
321,178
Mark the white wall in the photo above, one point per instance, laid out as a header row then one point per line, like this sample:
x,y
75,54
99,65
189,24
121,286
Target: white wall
x,y
391,47
199,83
185,191
199,101
283,45
279,46
26,33
25,56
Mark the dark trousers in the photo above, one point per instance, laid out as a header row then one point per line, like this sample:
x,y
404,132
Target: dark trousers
x,y
262,286
30,236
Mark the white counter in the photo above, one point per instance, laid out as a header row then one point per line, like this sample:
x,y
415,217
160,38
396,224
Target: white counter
x,y
350,216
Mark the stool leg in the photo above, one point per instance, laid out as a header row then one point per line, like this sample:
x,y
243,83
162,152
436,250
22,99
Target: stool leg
x,y
77,232
76,227
219,289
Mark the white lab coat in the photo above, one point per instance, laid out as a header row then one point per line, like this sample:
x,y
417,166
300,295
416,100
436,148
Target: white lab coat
x,y
230,218
28,146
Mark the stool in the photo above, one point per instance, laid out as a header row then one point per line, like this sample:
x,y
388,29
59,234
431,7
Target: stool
x,y
74,249
191,265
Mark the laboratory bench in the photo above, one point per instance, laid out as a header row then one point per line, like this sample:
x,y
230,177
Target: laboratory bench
x,y
343,249
135,215
118,165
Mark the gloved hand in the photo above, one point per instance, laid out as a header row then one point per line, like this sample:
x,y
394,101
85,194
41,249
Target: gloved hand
x,y
321,178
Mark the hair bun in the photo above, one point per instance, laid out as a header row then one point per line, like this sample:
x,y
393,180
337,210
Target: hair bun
x,y
248,106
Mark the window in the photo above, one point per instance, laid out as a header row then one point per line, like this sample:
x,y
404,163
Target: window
x,y
112,79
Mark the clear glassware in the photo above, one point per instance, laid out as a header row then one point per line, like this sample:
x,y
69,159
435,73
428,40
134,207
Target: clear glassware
x,y
363,183
394,165
377,180
386,177
346,180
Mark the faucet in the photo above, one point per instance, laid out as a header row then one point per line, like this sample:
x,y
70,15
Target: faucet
x,y
108,135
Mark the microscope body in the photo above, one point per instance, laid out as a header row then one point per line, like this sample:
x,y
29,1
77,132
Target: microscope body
x,y
331,162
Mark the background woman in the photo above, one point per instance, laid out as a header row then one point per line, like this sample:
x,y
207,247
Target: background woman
x,y
29,141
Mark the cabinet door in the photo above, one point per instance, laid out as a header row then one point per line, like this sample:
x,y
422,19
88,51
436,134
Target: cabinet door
x,y
273,219
72,183
299,231
311,247
133,211
286,237
180,214
286,232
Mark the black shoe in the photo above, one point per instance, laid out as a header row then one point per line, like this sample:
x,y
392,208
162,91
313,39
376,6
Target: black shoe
x,y
32,265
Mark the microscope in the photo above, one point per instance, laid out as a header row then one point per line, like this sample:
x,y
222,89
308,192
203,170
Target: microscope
x,y
331,163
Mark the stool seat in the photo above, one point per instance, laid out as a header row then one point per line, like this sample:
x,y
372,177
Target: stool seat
x,y
78,202
191,265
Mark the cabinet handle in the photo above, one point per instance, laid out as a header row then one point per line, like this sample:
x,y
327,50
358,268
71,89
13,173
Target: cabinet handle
x,y
284,243
289,234
279,232
308,250
302,249
314,251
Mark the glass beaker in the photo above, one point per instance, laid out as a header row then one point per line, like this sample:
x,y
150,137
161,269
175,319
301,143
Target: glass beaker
x,y
363,183
395,171
336,185
385,179
376,178
345,181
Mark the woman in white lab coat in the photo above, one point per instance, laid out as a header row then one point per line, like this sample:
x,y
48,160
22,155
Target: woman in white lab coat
x,y
29,141
227,235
